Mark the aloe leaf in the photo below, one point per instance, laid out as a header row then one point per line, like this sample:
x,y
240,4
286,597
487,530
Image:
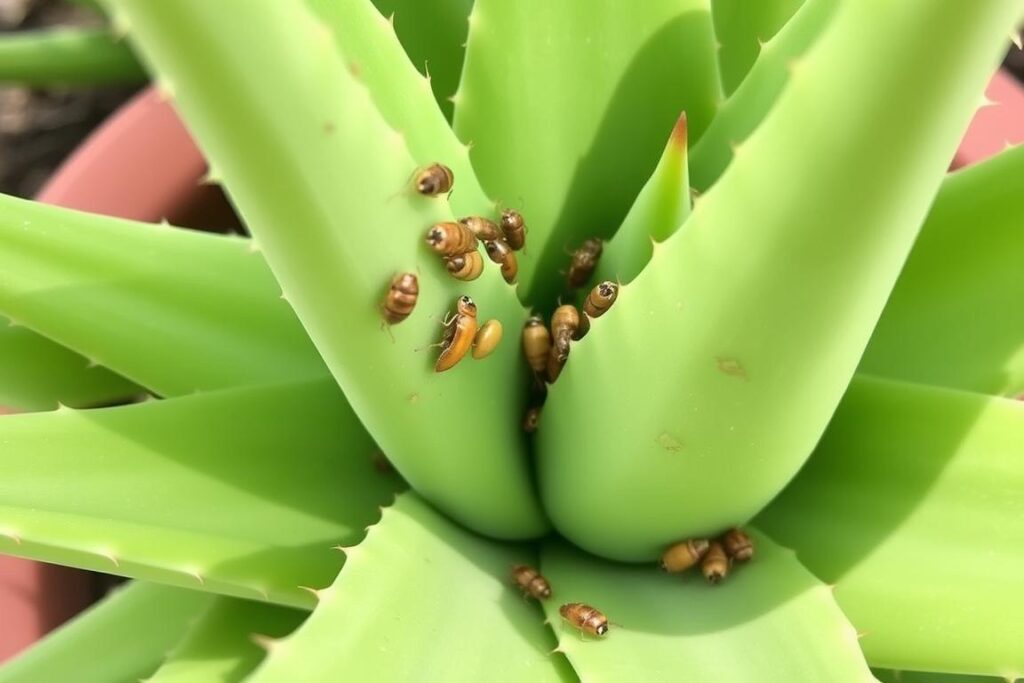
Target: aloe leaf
x,y
768,621
324,184
571,146
891,676
73,56
741,28
242,492
420,599
434,36
743,332
933,557
223,644
747,107
367,42
37,374
953,318
122,638
174,310
661,207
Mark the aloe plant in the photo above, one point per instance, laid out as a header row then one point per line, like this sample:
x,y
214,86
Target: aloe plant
x,y
731,361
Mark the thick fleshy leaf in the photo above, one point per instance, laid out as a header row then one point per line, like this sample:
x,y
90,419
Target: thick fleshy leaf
x,y
420,599
324,183
175,310
741,335
891,676
769,621
124,637
224,644
912,506
568,104
741,28
242,492
955,317
67,57
38,374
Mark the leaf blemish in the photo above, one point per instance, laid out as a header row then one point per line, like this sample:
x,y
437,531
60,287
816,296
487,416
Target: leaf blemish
x,y
732,367
669,442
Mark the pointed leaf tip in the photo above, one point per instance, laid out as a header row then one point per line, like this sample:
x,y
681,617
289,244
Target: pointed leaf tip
x,y
678,137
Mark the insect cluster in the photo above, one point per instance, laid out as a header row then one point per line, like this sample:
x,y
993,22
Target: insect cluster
x,y
583,617
714,557
458,245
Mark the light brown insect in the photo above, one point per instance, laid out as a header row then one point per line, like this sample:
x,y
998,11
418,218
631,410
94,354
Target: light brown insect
x,y
458,335
536,344
738,545
500,252
715,565
583,262
451,239
584,617
683,555
466,266
514,228
434,180
401,298
600,299
487,339
565,326
531,582
484,229
531,420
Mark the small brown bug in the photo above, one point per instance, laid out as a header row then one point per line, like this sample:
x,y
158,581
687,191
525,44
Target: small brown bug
x,y
738,545
487,339
484,229
556,359
531,420
600,299
715,565
451,239
458,335
536,344
500,252
583,262
565,325
585,618
466,266
514,228
531,582
434,180
683,555
401,298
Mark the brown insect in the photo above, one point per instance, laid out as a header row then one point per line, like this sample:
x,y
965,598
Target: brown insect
x,y
536,344
715,565
458,335
738,545
487,339
434,180
531,582
484,229
451,239
600,299
565,326
514,228
584,617
466,266
683,555
531,420
583,262
401,298
500,252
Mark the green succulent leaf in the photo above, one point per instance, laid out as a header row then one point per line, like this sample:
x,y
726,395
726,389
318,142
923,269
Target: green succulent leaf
x,y
955,317
175,310
769,621
38,374
420,599
745,329
75,56
892,676
567,106
323,182
746,108
741,28
242,492
911,505
124,637
434,36
660,208
224,644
